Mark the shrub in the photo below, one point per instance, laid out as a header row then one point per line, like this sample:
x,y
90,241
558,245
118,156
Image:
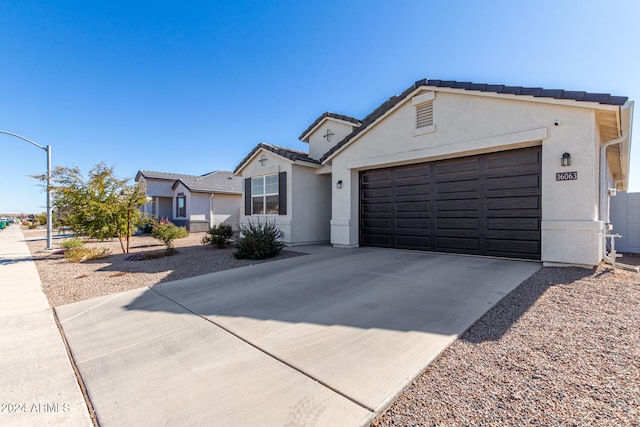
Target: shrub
x,y
142,256
81,253
146,224
167,232
219,235
72,243
32,226
258,241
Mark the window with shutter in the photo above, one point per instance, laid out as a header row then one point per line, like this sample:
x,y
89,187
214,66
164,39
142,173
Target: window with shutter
x,y
266,195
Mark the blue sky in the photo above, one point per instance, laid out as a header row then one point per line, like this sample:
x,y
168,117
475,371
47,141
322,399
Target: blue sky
x,y
191,87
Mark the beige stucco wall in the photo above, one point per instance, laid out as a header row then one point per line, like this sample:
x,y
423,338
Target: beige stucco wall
x,y
311,206
467,124
226,209
318,144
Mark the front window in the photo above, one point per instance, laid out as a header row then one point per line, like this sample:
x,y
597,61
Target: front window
x,y
181,206
264,195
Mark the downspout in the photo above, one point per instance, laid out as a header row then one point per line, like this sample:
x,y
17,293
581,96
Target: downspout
x,y
211,211
604,207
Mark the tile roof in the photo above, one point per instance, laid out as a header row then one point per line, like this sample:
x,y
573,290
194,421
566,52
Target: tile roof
x,y
601,98
213,182
287,153
333,116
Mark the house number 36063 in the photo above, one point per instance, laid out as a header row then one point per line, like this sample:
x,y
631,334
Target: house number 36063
x,y
566,176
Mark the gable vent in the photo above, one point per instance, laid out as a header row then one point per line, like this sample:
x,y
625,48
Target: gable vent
x,y
424,115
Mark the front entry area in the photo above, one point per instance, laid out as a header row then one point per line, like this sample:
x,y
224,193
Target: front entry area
x,y
488,204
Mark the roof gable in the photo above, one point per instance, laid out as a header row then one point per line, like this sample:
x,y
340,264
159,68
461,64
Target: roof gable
x,y
287,153
389,104
326,116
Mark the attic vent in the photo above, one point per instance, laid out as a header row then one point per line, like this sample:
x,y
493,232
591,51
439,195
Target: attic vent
x,y
424,115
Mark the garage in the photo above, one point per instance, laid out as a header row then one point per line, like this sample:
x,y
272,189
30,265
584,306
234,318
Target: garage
x,y
487,204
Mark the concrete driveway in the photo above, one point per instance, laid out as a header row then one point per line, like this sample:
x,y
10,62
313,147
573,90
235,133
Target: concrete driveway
x,y
326,339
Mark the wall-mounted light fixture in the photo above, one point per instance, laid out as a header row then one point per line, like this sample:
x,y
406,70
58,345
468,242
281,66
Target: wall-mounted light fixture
x,y
566,159
339,184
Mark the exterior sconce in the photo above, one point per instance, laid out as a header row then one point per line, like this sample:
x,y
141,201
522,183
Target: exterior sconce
x,y
339,184
566,159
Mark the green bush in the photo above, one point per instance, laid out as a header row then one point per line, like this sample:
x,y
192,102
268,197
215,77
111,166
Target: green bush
x,y
41,218
32,226
219,235
146,224
167,232
72,243
81,253
258,241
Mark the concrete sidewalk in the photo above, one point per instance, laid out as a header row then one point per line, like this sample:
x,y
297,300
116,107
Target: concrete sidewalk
x,y
326,339
37,383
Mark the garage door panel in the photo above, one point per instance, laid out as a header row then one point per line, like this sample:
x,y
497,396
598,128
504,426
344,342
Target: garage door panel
x,y
519,246
458,223
371,193
457,205
377,207
415,224
413,242
370,223
461,186
448,168
457,243
515,223
412,206
486,205
497,183
415,190
383,241
513,160
509,203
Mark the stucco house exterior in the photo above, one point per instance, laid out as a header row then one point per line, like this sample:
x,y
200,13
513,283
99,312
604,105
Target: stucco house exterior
x,y
196,202
455,167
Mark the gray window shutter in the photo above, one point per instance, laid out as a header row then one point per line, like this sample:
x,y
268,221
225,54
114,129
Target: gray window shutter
x,y
282,193
247,196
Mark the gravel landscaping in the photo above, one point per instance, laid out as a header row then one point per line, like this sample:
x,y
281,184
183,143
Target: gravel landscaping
x,y
65,282
563,349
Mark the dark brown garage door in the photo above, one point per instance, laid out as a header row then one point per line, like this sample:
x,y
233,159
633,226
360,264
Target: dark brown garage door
x,y
483,205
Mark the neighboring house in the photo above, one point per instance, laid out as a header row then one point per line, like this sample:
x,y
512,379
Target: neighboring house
x,y
625,216
196,202
455,167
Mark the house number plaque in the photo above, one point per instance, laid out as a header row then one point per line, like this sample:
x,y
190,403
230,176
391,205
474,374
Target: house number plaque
x,y
566,176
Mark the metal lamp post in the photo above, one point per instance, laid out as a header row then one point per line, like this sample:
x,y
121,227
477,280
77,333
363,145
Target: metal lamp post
x,y
48,150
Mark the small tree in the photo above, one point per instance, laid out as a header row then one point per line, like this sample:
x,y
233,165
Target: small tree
x,y
167,232
100,207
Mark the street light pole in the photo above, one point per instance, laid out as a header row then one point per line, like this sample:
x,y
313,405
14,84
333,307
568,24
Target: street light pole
x,y
48,150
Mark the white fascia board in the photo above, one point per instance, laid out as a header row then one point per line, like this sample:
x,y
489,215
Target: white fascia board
x,y
529,98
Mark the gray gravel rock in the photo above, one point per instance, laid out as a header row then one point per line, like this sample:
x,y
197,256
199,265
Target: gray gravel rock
x,y
563,349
